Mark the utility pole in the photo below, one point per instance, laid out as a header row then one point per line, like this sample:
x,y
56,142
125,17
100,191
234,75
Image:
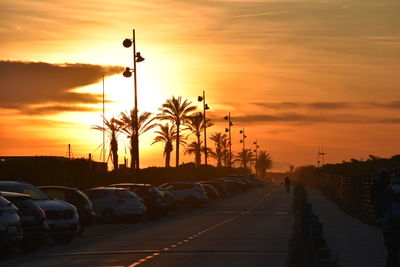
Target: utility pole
x,y
228,130
321,156
104,134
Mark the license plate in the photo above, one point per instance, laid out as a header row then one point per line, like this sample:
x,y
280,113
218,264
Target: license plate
x,y
12,229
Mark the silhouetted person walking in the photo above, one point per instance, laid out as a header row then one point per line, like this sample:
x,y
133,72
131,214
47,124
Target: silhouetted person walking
x,y
287,184
388,218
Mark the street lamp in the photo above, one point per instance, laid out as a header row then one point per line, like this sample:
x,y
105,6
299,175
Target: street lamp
x,y
242,141
205,107
255,150
128,73
228,130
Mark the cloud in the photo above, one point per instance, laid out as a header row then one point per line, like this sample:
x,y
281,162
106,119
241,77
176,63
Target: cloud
x,y
55,109
301,119
329,105
25,85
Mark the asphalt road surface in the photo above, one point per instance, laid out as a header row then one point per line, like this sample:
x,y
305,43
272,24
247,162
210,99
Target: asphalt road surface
x,y
249,229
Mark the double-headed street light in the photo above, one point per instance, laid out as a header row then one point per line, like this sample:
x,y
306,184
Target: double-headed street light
x,y
228,130
256,150
205,107
242,141
128,73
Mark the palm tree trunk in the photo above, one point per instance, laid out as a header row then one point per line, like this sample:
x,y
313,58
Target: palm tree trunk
x,y
167,159
177,145
132,153
114,151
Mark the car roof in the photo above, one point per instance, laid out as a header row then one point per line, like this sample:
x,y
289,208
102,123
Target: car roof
x,y
182,182
13,182
12,194
107,188
56,187
131,184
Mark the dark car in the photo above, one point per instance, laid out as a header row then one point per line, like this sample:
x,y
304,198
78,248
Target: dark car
x,y
169,200
62,218
75,197
33,221
153,198
222,182
218,186
234,187
243,184
211,192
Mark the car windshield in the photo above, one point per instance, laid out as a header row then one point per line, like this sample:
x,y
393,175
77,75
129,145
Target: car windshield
x,y
28,189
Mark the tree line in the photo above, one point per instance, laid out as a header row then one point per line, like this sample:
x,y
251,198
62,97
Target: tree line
x,y
176,121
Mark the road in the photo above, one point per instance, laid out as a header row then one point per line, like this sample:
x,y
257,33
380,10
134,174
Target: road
x,y
250,229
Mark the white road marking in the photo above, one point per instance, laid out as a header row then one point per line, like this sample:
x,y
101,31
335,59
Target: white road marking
x,y
211,228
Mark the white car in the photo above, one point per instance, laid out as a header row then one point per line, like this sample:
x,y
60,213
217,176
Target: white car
x,y
112,202
10,224
190,194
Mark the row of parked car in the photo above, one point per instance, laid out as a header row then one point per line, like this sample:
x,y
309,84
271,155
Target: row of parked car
x,y
30,215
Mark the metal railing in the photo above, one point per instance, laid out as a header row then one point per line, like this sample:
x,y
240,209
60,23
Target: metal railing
x,y
351,194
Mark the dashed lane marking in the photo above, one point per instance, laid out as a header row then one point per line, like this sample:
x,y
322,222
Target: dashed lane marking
x,y
136,263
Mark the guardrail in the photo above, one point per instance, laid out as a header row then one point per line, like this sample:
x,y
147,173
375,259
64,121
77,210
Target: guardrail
x,y
352,194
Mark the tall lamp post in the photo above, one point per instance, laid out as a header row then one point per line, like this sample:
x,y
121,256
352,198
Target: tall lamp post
x,y
242,141
228,130
256,150
205,107
128,73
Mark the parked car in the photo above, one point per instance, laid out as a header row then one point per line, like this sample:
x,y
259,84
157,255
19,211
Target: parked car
x,y
110,203
10,225
62,218
218,186
243,185
222,182
234,187
190,194
211,192
75,197
33,221
169,199
152,197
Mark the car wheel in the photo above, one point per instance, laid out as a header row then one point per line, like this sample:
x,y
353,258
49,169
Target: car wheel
x,y
63,239
108,216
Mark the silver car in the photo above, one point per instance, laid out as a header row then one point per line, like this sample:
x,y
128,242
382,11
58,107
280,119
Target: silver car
x,y
10,224
110,203
190,194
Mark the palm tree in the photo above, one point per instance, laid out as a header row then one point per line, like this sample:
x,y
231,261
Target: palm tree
x,y
194,148
264,162
245,157
127,121
195,124
112,128
218,139
176,111
166,135
225,151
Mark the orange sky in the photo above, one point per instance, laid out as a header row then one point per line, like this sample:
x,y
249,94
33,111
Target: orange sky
x,y
296,74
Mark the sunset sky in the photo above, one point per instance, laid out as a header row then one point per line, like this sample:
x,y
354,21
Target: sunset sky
x,y
295,74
